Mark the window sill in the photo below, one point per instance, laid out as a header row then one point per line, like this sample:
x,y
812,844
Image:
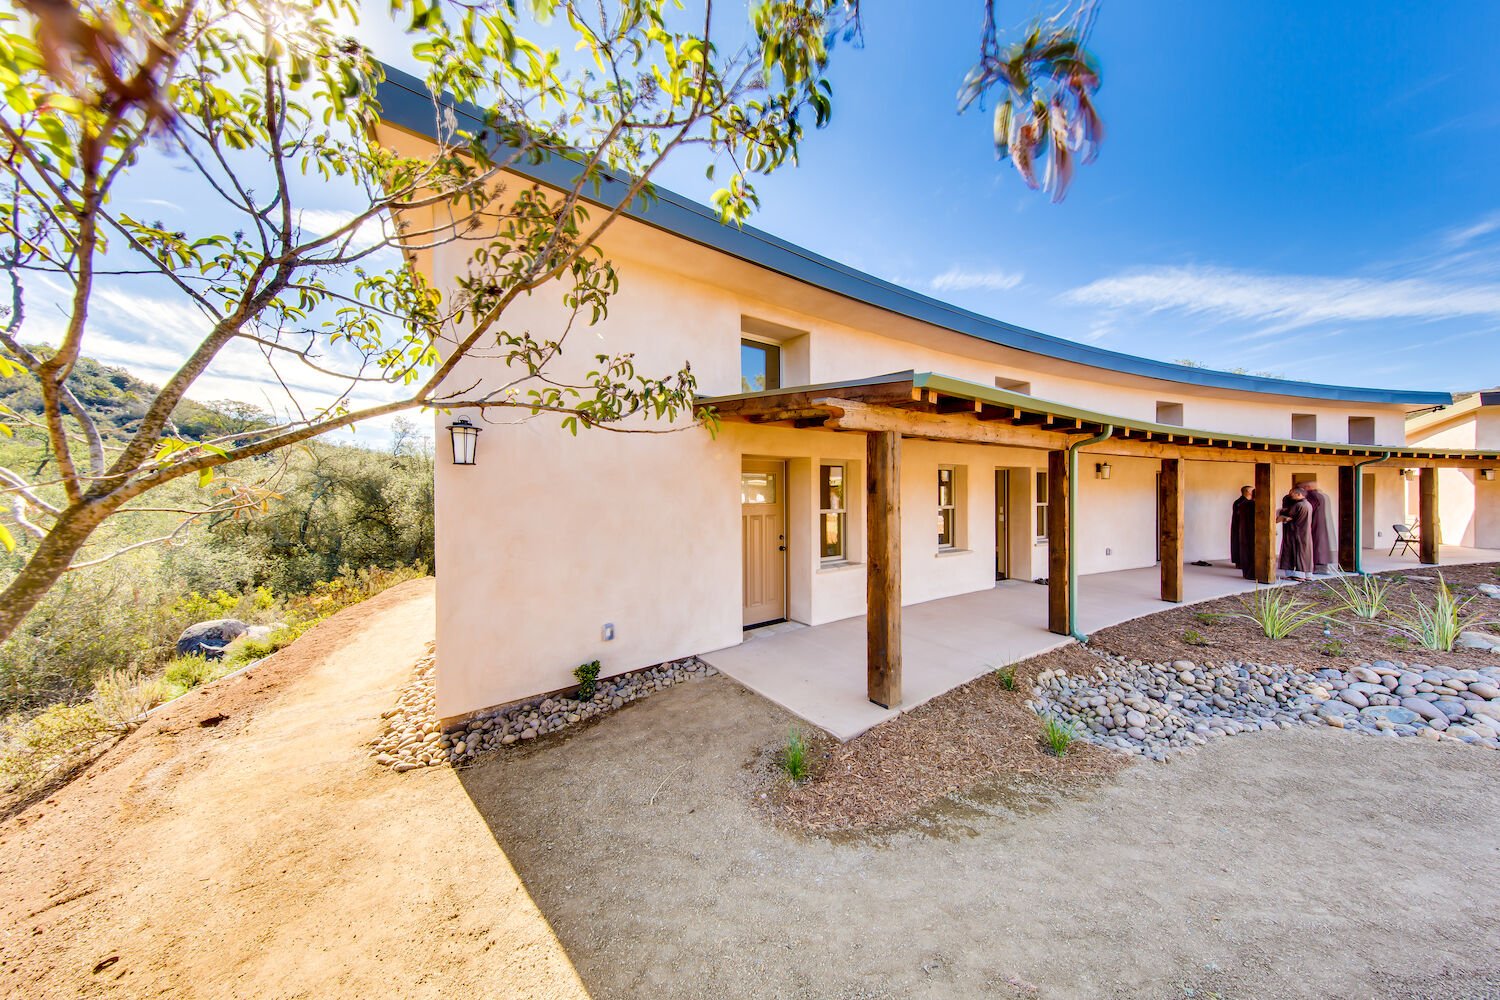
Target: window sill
x,y
839,566
944,553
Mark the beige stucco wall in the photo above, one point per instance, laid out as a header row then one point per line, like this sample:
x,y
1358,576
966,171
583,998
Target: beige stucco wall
x,y
1466,501
549,537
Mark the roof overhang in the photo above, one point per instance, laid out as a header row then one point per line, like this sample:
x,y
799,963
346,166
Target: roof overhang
x,y
939,407
408,105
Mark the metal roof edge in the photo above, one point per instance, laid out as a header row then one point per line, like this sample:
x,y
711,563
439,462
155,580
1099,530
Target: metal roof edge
x,y
406,103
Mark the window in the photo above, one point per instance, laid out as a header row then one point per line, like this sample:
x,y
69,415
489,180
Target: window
x,y
760,366
1169,414
833,513
1304,426
1041,506
1361,430
757,487
947,508
1013,385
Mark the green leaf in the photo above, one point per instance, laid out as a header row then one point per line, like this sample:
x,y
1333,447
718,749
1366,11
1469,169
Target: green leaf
x,y
7,539
205,477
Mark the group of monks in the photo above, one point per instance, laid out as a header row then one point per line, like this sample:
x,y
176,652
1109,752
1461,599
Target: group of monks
x,y
1306,519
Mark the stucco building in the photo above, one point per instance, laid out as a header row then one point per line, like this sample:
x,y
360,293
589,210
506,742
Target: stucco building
x,y
877,449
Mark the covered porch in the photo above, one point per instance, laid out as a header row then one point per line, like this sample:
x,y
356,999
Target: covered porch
x,y
912,653
818,672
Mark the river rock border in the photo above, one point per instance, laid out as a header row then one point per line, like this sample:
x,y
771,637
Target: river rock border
x,y
1154,709
411,737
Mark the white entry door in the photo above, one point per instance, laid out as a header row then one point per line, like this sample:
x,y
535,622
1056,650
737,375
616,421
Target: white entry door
x,y
763,515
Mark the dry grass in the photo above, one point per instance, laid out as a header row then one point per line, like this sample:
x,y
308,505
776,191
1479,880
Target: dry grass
x,y
976,732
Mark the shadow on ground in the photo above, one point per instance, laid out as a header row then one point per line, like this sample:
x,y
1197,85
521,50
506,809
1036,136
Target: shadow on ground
x,y
1298,864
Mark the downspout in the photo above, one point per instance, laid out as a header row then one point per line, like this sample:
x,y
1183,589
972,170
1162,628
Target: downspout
x,y
1359,511
1104,435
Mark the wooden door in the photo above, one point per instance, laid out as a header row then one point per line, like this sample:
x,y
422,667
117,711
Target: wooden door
x,y
1002,524
763,517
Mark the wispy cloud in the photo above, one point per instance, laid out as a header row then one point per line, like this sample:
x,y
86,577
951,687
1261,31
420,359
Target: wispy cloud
x,y
957,279
1464,235
322,221
1289,301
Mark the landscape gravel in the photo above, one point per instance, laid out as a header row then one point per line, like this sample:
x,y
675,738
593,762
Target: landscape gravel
x,y
413,737
1155,709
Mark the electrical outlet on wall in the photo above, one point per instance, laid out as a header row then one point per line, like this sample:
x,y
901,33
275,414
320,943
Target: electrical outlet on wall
x,y
1109,551
608,631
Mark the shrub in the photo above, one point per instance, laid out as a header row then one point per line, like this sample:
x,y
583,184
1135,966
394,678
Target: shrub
x,y
1006,675
1333,647
34,751
187,672
1277,612
1437,625
794,755
1193,637
1208,617
1362,596
588,676
1057,735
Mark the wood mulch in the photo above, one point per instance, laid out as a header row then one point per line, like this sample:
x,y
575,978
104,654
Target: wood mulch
x,y
982,732
973,732
1199,632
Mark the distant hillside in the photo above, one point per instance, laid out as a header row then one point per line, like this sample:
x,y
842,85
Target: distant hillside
x,y
117,400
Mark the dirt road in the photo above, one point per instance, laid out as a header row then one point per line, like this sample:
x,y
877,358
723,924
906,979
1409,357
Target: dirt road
x,y
264,856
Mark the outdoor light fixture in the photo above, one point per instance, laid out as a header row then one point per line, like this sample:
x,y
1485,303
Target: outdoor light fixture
x,y
465,441
1488,475
1408,473
1101,470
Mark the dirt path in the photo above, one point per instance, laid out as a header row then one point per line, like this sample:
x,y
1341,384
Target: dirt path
x,y
265,856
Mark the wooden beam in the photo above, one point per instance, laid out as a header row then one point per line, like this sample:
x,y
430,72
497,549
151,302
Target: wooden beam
x,y
1266,505
1172,507
955,404
798,413
883,567
1058,488
1430,529
1349,527
856,416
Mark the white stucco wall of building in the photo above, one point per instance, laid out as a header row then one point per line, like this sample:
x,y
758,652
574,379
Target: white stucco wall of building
x,y
550,537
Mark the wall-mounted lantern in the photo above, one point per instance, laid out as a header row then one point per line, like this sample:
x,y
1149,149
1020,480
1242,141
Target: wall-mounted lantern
x,y
1408,474
1488,475
1102,470
465,441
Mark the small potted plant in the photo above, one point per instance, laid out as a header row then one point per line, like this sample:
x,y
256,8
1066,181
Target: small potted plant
x,y
588,677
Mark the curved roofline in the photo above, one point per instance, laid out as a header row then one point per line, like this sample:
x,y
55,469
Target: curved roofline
x,y
407,104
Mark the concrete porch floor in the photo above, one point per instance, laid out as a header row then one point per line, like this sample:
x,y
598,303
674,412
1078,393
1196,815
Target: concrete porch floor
x,y
818,672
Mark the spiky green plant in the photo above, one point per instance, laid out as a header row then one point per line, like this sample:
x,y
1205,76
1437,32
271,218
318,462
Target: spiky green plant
x,y
1057,735
1437,625
1277,612
1006,675
794,755
1362,596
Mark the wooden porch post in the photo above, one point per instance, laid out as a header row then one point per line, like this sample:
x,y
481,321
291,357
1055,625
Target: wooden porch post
x,y
1265,524
1431,528
1172,507
1349,540
1058,489
883,567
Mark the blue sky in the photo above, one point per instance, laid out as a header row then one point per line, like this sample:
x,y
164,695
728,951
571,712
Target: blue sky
x,y
1307,189
1301,189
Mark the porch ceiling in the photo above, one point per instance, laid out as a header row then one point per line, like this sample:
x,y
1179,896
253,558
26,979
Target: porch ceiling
x,y
938,407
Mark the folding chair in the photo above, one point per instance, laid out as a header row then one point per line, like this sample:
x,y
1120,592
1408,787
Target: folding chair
x,y
1406,537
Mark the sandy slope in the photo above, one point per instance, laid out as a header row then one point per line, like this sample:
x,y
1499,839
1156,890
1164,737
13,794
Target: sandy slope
x,y
265,856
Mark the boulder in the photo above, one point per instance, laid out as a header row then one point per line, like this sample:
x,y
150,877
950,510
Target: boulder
x,y
208,639
1478,640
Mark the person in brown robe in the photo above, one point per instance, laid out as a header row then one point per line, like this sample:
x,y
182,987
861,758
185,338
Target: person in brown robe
x,y
1296,536
1242,532
1322,532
